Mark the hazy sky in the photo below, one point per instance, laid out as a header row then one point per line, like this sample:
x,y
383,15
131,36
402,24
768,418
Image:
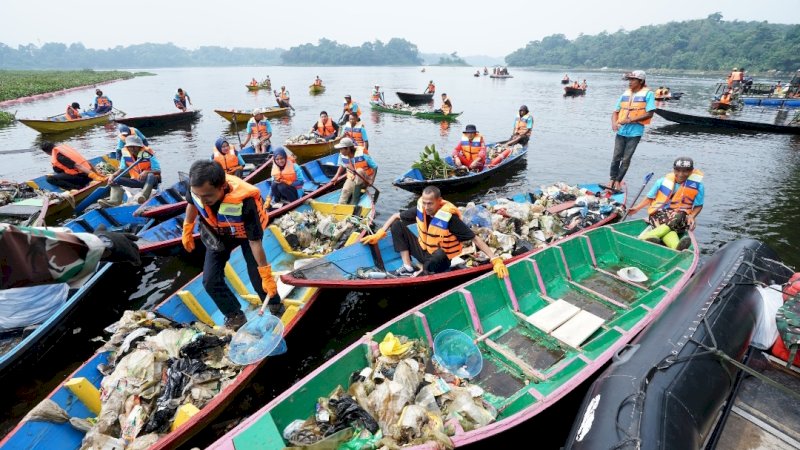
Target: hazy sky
x,y
491,27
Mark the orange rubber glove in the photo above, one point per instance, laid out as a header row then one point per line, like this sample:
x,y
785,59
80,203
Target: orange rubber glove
x,y
499,267
374,238
188,236
97,177
267,282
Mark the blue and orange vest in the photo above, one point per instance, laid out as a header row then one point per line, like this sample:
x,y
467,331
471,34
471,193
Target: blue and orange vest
x,y
470,149
228,220
229,161
356,134
436,234
260,130
102,101
632,106
145,153
359,162
521,126
680,200
353,108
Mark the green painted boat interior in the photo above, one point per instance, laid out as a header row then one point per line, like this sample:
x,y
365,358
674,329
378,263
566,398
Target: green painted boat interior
x,y
522,363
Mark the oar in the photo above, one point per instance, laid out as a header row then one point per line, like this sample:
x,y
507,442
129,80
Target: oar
x,y
644,183
236,127
19,150
120,111
102,191
369,185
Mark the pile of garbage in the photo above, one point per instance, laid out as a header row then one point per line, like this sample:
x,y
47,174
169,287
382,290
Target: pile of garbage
x,y
502,150
407,108
511,228
11,192
314,233
303,139
155,366
402,398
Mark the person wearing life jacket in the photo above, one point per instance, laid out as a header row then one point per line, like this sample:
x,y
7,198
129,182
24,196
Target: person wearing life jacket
x,y
124,132
431,89
287,180
102,104
226,156
350,108
358,168
725,98
259,131
180,99
778,91
447,106
325,127
584,85
576,85
232,215
267,83
736,78
566,77
633,111
354,129
73,111
440,234
253,82
317,81
471,150
282,98
72,170
673,204
145,172
523,127
377,95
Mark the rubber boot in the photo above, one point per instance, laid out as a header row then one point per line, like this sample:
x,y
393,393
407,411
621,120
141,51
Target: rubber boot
x,y
671,240
114,198
657,232
144,194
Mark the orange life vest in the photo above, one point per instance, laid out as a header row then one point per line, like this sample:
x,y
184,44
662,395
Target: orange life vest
x,y
144,154
259,131
376,96
72,154
470,149
436,234
521,126
229,161
632,106
287,175
446,105
349,107
103,101
284,95
317,82
680,200
431,88
72,113
359,162
355,134
325,128
725,99
737,76
228,220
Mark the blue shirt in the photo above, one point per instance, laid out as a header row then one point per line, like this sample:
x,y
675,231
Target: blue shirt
x,y
358,127
252,123
636,129
528,121
698,200
121,143
367,158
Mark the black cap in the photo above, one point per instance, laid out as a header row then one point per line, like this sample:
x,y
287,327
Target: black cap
x,y
683,162
470,129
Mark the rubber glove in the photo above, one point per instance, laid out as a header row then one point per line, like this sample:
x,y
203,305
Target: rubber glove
x,y
374,238
188,236
267,282
97,177
267,202
499,267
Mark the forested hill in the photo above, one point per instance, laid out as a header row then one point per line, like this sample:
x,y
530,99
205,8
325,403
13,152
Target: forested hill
x,y
396,52
707,44
76,56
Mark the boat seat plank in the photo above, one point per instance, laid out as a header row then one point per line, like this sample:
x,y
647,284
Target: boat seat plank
x,y
537,352
105,215
527,370
553,315
587,303
578,329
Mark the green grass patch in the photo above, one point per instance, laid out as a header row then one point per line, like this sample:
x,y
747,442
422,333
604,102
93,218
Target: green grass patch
x,y
22,83
6,118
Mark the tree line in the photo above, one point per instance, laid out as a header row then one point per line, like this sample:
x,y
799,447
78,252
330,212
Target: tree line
x,y
703,44
396,52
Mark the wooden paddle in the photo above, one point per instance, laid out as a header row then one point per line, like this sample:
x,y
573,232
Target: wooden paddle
x,y
236,127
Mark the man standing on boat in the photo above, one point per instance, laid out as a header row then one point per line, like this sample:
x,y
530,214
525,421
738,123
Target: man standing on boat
x,y
231,215
259,131
325,127
377,95
441,232
72,170
523,127
359,168
180,100
282,98
673,204
102,104
471,150
431,89
634,110
354,129
447,106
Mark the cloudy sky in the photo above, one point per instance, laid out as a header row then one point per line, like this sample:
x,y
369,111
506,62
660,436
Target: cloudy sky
x,y
470,27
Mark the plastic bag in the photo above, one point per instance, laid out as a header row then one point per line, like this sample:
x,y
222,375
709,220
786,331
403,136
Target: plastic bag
x,y
477,216
469,412
766,330
47,411
349,413
21,307
392,346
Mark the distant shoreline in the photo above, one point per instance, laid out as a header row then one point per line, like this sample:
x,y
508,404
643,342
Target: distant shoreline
x,y
46,84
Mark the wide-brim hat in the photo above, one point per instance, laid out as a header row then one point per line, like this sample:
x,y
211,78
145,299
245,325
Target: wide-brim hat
x,y
638,74
133,141
344,143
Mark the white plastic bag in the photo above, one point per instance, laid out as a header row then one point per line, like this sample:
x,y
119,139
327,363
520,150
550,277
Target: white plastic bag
x,y
21,307
766,330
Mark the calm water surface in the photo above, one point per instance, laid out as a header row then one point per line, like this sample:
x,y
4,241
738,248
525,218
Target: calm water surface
x,y
752,184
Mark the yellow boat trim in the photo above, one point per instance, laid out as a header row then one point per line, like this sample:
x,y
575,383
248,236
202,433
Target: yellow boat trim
x,y
196,308
86,393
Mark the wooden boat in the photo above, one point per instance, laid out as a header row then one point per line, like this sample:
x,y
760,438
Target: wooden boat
x,y
688,119
337,269
565,81
257,87
772,101
414,99
669,97
570,91
28,209
189,304
501,76
529,360
243,116
172,201
718,408
26,347
165,237
305,152
719,106
429,115
161,120
414,181
314,89
59,123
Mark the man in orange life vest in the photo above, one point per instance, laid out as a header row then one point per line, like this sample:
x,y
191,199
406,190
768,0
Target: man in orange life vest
x,y
73,111
377,95
231,215
325,127
259,131
359,168
102,104
634,110
354,129
471,150
441,232
431,89
72,170
673,204
447,105
287,180
523,127
226,156
145,174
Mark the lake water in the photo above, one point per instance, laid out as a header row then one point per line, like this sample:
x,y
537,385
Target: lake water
x,y
752,184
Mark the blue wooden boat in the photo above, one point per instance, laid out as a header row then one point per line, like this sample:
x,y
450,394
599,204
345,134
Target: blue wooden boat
x,y
167,234
190,304
414,181
339,269
772,101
